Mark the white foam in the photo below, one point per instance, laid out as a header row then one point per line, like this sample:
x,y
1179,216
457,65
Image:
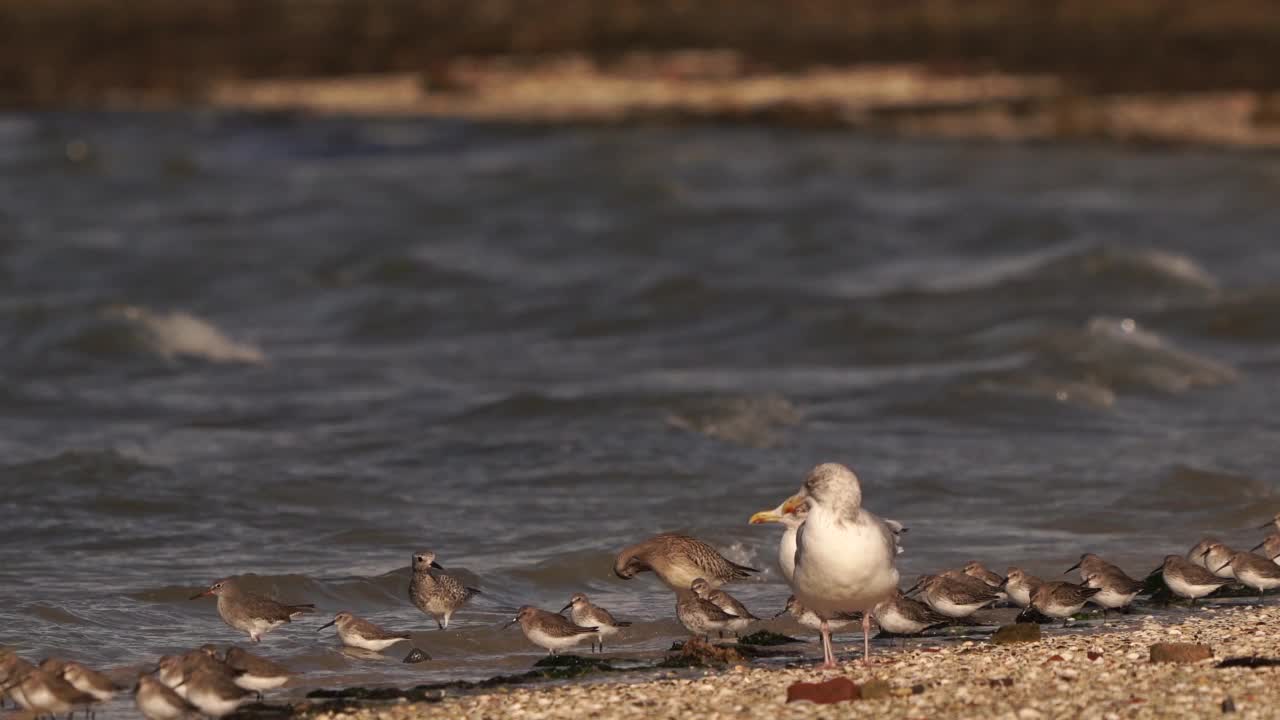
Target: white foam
x,y
180,334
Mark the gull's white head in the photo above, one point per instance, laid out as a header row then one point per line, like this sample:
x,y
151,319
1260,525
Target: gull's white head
x,y
834,486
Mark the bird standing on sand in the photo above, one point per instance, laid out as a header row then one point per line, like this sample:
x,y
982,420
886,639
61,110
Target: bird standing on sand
x,y
157,701
701,616
726,602
12,670
678,560
1216,558
550,630
1189,580
844,553
249,612
1116,590
1270,547
214,693
47,694
360,633
792,522
1255,571
901,615
954,594
975,569
1273,522
585,614
1019,584
435,593
89,681
254,672
1060,600
1090,563
806,618
1197,552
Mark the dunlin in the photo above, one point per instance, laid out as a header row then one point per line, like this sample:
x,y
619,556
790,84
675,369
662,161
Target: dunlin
x,y
256,673
1273,522
48,694
1019,584
973,568
550,630
1189,580
173,670
1197,552
1090,563
726,602
1216,558
1255,571
1270,547
250,612
214,693
1061,600
677,560
808,619
1116,590
901,615
844,553
157,701
955,596
360,633
699,616
586,614
89,681
435,593
12,670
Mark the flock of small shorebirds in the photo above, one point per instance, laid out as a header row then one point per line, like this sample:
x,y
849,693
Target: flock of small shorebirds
x,y
838,557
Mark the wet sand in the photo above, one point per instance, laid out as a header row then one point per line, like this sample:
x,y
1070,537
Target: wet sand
x,y
1103,674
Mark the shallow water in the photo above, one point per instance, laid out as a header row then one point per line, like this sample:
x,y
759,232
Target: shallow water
x,y
306,348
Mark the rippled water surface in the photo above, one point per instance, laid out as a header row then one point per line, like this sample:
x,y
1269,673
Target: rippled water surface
x,y
306,348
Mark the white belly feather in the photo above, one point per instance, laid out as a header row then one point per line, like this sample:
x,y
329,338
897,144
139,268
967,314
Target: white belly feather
x,y
843,564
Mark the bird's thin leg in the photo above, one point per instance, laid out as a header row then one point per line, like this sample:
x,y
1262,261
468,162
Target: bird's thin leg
x,y
866,638
828,655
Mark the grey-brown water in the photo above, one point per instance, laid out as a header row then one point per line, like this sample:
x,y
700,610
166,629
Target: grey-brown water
x,y
307,348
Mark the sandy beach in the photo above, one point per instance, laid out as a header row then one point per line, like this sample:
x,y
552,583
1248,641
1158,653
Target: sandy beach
x,y
1067,674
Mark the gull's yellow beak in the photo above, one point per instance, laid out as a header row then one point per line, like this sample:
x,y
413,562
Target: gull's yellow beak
x,y
766,516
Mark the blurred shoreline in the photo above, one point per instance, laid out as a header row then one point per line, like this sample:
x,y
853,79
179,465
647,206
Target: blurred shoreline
x,y
1133,70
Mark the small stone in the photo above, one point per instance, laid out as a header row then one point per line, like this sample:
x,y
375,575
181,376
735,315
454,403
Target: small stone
x,y
1028,713
876,689
1180,652
1000,682
416,656
1017,633
1228,705
1094,656
836,690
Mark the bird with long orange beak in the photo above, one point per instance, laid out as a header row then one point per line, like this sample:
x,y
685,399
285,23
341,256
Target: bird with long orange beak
x,y
844,554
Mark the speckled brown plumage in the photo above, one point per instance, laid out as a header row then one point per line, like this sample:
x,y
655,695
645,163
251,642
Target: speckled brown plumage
x,y
678,560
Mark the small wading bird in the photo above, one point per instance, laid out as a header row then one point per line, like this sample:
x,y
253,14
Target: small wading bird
x,y
435,593
250,612
550,630
585,614
678,560
360,633
742,617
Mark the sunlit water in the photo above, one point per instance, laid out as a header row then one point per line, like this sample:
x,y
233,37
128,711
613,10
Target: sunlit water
x,y
306,348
